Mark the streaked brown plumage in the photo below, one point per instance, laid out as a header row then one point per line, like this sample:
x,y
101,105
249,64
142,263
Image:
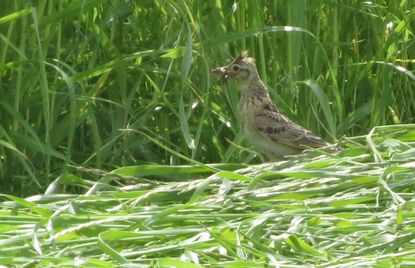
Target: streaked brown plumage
x,y
272,134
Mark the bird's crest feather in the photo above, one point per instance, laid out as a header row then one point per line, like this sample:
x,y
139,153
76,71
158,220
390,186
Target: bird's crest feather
x,y
243,57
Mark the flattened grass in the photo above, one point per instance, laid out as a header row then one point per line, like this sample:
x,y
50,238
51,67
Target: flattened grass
x,y
353,207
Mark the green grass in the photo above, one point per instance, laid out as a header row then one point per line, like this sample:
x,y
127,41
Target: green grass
x,y
76,75
129,149
349,208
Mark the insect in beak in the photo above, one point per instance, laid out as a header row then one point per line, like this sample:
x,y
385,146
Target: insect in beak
x,y
222,72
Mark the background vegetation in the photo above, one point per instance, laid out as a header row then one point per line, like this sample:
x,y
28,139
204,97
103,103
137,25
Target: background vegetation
x,y
114,101
104,84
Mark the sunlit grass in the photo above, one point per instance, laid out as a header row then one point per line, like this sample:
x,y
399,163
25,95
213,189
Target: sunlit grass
x,y
74,75
351,207
114,100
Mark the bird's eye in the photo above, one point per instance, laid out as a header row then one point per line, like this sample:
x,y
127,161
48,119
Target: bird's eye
x,y
235,68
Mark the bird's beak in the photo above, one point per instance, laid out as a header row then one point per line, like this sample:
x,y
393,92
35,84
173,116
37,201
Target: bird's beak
x,y
222,72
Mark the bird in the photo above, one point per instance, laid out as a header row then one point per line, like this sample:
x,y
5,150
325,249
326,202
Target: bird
x,y
271,133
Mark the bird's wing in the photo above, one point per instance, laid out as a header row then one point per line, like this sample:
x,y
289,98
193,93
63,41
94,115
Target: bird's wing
x,y
276,127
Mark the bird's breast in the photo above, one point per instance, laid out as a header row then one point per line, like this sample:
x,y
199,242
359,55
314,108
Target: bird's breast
x,y
248,107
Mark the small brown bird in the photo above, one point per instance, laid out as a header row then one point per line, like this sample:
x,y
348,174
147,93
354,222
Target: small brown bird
x,y
272,134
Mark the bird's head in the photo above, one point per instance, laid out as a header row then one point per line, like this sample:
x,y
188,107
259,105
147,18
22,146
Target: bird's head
x,y
242,69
